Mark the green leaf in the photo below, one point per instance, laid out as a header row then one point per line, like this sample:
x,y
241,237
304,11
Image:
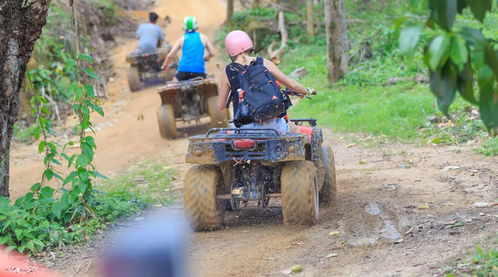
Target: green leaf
x,y
488,99
465,82
41,146
491,59
38,242
89,90
98,175
85,57
472,35
91,74
70,177
443,84
35,187
408,39
19,233
97,109
46,192
444,12
459,53
71,160
65,156
83,174
48,173
438,51
57,209
479,8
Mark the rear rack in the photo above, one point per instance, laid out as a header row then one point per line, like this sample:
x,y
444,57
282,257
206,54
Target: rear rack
x,y
236,133
299,121
182,85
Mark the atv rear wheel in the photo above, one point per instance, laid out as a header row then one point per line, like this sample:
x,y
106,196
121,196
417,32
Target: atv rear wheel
x,y
328,193
199,195
299,193
133,78
219,119
166,121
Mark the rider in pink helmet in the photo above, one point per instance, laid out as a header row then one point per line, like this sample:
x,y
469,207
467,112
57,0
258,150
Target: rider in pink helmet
x,y
238,46
237,42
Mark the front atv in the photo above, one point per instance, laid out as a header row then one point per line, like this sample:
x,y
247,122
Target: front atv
x,y
145,68
241,167
188,101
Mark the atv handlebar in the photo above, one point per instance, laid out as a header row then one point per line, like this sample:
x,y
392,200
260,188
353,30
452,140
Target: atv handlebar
x,y
291,92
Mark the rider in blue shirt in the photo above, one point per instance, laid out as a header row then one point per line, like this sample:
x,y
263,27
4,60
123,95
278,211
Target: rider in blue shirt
x,y
150,35
194,46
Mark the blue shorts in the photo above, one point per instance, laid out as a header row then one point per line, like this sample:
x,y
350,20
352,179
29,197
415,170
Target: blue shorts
x,y
278,124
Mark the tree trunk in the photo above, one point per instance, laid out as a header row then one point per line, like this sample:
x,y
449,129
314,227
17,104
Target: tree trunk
x,y
229,10
337,39
21,23
309,19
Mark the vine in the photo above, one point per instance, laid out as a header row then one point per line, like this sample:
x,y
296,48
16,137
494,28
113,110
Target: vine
x,y
47,217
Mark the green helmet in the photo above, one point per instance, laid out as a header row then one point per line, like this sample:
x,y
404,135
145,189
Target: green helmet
x,y
190,24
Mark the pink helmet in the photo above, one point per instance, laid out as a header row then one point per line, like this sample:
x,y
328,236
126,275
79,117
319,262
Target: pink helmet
x,y
237,42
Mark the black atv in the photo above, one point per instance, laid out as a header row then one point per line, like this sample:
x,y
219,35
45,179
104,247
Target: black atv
x,y
240,166
188,101
145,68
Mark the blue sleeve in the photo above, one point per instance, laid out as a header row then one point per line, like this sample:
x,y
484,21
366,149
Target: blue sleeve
x,y
139,30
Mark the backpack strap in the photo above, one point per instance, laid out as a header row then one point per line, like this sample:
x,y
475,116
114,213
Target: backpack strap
x,y
260,61
233,71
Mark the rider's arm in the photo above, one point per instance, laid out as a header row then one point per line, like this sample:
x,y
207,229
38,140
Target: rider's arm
x,y
209,47
139,30
286,81
223,91
173,52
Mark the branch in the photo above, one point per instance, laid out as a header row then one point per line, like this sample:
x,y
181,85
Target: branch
x,y
275,54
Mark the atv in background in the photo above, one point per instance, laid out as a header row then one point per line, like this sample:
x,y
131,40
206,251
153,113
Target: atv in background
x,y
189,101
239,167
145,68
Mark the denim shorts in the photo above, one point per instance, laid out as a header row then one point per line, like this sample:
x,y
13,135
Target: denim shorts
x,y
278,124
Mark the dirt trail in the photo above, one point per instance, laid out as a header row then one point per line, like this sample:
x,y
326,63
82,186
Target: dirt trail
x,y
399,208
393,221
129,131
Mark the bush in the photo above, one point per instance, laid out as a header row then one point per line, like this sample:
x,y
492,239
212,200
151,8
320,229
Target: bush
x,y
31,225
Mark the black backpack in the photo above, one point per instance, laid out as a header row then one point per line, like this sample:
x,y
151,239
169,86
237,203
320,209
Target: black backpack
x,y
259,97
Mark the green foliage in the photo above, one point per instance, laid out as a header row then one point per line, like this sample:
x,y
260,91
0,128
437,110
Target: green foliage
x,y
148,181
489,147
25,134
55,77
362,102
32,224
459,56
483,264
108,9
366,101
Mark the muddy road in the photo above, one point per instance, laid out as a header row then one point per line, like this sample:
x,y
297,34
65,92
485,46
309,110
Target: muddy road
x,y
402,210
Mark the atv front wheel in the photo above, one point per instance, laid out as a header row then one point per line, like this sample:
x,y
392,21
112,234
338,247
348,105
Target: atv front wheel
x,y
133,78
299,193
219,119
199,194
328,193
167,122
